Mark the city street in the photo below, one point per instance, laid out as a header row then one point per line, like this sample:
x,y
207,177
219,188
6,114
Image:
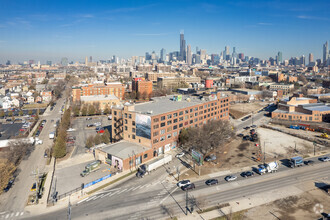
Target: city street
x,y
143,198
12,203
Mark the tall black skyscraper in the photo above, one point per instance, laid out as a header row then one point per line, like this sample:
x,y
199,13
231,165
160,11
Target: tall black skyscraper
x,y
182,47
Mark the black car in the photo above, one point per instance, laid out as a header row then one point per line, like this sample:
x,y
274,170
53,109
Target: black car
x,y
309,162
211,182
247,174
9,185
247,137
240,135
188,186
210,158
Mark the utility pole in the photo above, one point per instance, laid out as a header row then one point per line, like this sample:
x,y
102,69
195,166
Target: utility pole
x,y
187,202
178,172
69,209
314,144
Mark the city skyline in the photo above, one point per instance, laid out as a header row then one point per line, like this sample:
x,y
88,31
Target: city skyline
x,y
49,31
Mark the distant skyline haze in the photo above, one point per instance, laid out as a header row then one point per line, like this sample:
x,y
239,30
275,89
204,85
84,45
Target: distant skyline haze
x,y
49,30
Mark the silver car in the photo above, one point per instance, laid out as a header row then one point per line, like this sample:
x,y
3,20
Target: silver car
x,y
230,178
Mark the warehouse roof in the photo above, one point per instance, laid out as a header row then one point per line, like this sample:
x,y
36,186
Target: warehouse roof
x,y
124,149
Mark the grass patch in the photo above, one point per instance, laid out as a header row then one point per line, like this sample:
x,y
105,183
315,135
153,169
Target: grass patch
x,y
213,208
36,105
112,182
234,216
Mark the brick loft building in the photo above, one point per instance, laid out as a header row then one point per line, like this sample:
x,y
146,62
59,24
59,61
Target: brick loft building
x,y
114,88
142,87
302,109
147,130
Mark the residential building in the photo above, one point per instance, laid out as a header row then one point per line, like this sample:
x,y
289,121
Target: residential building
x,y
151,76
142,87
114,88
103,101
170,82
285,87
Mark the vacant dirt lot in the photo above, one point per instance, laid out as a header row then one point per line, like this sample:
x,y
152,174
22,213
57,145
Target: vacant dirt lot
x,y
238,110
308,205
280,145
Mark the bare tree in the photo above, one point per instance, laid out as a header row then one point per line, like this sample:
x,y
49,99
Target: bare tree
x,y
167,211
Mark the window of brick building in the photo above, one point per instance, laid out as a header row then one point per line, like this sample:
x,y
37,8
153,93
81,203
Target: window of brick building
x,y
162,124
162,118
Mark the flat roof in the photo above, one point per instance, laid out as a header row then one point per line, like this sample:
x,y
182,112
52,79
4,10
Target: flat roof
x,y
124,149
287,112
321,108
161,105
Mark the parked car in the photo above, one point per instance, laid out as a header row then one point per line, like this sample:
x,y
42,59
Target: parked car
x,y
9,185
183,183
247,174
188,186
230,178
210,157
246,137
324,159
309,162
90,125
180,155
211,182
87,119
253,126
240,135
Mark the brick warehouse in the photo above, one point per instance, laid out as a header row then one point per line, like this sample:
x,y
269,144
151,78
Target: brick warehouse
x,y
155,125
114,88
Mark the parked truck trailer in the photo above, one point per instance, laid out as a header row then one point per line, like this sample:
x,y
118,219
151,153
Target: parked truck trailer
x,y
145,169
296,162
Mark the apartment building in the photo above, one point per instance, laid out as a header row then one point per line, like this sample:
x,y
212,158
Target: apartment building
x,y
142,87
284,87
153,76
157,124
114,88
169,82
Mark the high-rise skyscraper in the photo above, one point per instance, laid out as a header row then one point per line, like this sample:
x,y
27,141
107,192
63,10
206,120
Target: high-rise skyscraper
x,y
162,55
91,59
279,58
64,61
310,58
86,60
182,47
325,52
49,62
189,58
227,50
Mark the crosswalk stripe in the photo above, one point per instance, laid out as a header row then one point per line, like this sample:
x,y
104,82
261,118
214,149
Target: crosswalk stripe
x,y
12,214
17,213
22,213
130,189
7,216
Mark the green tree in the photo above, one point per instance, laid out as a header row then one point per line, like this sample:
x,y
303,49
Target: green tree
x,y
91,110
97,139
59,149
37,115
30,112
76,110
183,136
10,113
21,113
2,114
97,108
106,137
84,110
90,142
106,110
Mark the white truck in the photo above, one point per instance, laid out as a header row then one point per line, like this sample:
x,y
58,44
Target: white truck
x,y
51,135
145,169
268,168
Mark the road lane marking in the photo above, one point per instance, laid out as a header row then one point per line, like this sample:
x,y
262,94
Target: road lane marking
x,y
168,195
1,213
82,200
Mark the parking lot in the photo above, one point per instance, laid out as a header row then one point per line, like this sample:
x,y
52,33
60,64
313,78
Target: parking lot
x,y
68,178
9,130
82,132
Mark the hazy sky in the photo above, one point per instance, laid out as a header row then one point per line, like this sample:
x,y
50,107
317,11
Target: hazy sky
x,y
48,30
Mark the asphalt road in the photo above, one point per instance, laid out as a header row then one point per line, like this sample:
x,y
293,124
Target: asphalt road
x,y
13,202
158,197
